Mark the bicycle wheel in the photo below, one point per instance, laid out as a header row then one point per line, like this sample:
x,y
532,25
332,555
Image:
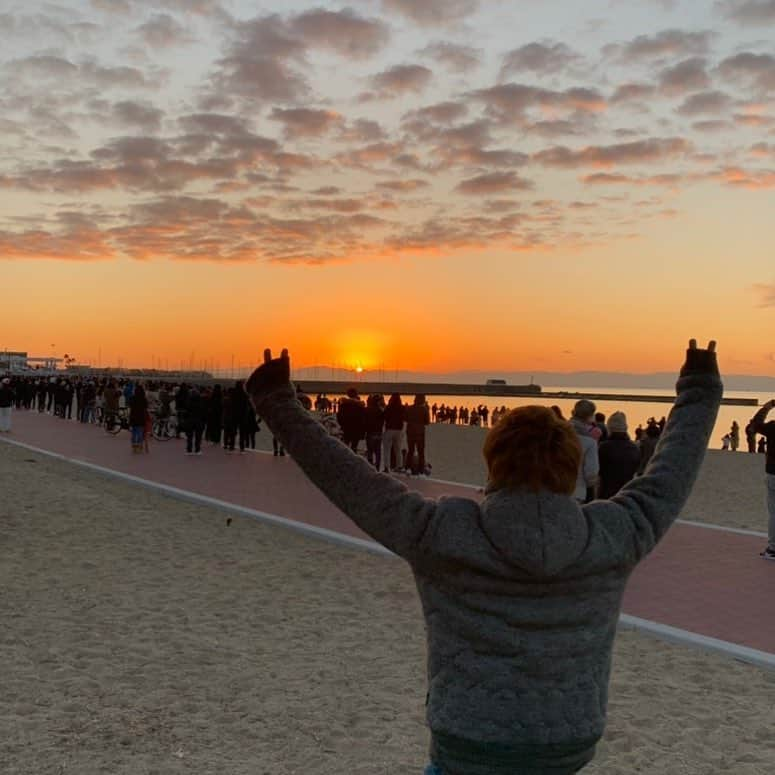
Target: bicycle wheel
x,y
163,430
112,423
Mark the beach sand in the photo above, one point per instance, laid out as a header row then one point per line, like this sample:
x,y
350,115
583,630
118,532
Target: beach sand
x,y
141,634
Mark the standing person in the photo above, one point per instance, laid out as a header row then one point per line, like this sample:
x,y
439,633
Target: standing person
x,y
582,421
391,437
600,424
138,407
229,421
767,429
375,423
110,404
619,457
417,417
215,416
239,408
6,401
750,438
521,592
251,427
734,436
196,417
648,443
352,419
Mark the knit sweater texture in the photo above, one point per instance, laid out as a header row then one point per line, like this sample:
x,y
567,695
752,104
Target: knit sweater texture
x,y
521,593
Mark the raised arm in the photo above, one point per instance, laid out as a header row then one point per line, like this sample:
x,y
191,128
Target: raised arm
x,y
759,419
379,504
629,525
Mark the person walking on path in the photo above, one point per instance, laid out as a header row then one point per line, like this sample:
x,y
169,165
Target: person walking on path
x,y
138,407
6,401
582,421
767,429
619,457
521,592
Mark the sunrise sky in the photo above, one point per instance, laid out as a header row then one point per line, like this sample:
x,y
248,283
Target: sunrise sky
x,y
416,184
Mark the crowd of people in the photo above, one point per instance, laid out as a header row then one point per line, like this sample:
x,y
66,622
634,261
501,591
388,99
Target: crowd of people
x,y
533,575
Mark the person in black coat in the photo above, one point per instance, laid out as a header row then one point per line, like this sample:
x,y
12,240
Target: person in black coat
x,y
196,417
215,416
352,419
619,457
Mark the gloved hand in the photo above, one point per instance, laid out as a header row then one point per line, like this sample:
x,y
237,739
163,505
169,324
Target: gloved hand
x,y
272,373
700,361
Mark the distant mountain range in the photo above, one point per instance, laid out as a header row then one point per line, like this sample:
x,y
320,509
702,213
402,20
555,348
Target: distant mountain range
x,y
583,379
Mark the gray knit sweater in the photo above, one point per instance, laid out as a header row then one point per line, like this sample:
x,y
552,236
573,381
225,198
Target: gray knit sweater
x,y
521,593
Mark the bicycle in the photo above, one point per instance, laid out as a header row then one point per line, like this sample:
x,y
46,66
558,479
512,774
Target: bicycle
x,y
114,422
164,428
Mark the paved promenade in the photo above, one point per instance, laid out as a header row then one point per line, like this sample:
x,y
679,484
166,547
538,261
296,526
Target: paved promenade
x,y
705,583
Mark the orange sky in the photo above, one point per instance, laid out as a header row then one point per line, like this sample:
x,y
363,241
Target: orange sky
x,y
368,187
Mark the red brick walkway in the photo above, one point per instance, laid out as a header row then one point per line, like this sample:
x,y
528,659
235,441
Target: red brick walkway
x,y
708,582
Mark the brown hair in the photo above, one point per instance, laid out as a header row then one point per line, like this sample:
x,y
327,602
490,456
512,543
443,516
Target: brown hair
x,y
531,448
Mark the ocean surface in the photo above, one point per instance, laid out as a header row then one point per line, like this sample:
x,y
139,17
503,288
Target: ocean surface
x,y
637,412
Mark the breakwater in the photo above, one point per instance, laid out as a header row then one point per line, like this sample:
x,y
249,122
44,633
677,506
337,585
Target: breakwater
x,y
332,387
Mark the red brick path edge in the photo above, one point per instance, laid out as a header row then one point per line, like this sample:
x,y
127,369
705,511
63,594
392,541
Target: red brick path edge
x,y
702,587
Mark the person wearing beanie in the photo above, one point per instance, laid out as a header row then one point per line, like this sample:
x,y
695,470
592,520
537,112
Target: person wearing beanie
x,y
521,591
619,457
582,420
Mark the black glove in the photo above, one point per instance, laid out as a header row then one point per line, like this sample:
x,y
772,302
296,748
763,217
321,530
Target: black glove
x,y
273,373
700,361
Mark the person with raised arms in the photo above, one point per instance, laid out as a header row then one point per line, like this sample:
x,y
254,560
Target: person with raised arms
x,y
521,592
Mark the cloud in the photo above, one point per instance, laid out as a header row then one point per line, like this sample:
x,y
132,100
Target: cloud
x,y
541,58
705,103
140,114
750,12
493,183
432,13
418,121
42,66
402,186
670,180
766,294
664,44
454,56
637,152
633,92
75,239
510,102
753,180
688,75
712,125
362,130
757,69
399,80
343,32
163,31
306,122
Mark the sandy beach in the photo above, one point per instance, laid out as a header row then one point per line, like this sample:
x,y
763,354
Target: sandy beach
x,y
141,634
